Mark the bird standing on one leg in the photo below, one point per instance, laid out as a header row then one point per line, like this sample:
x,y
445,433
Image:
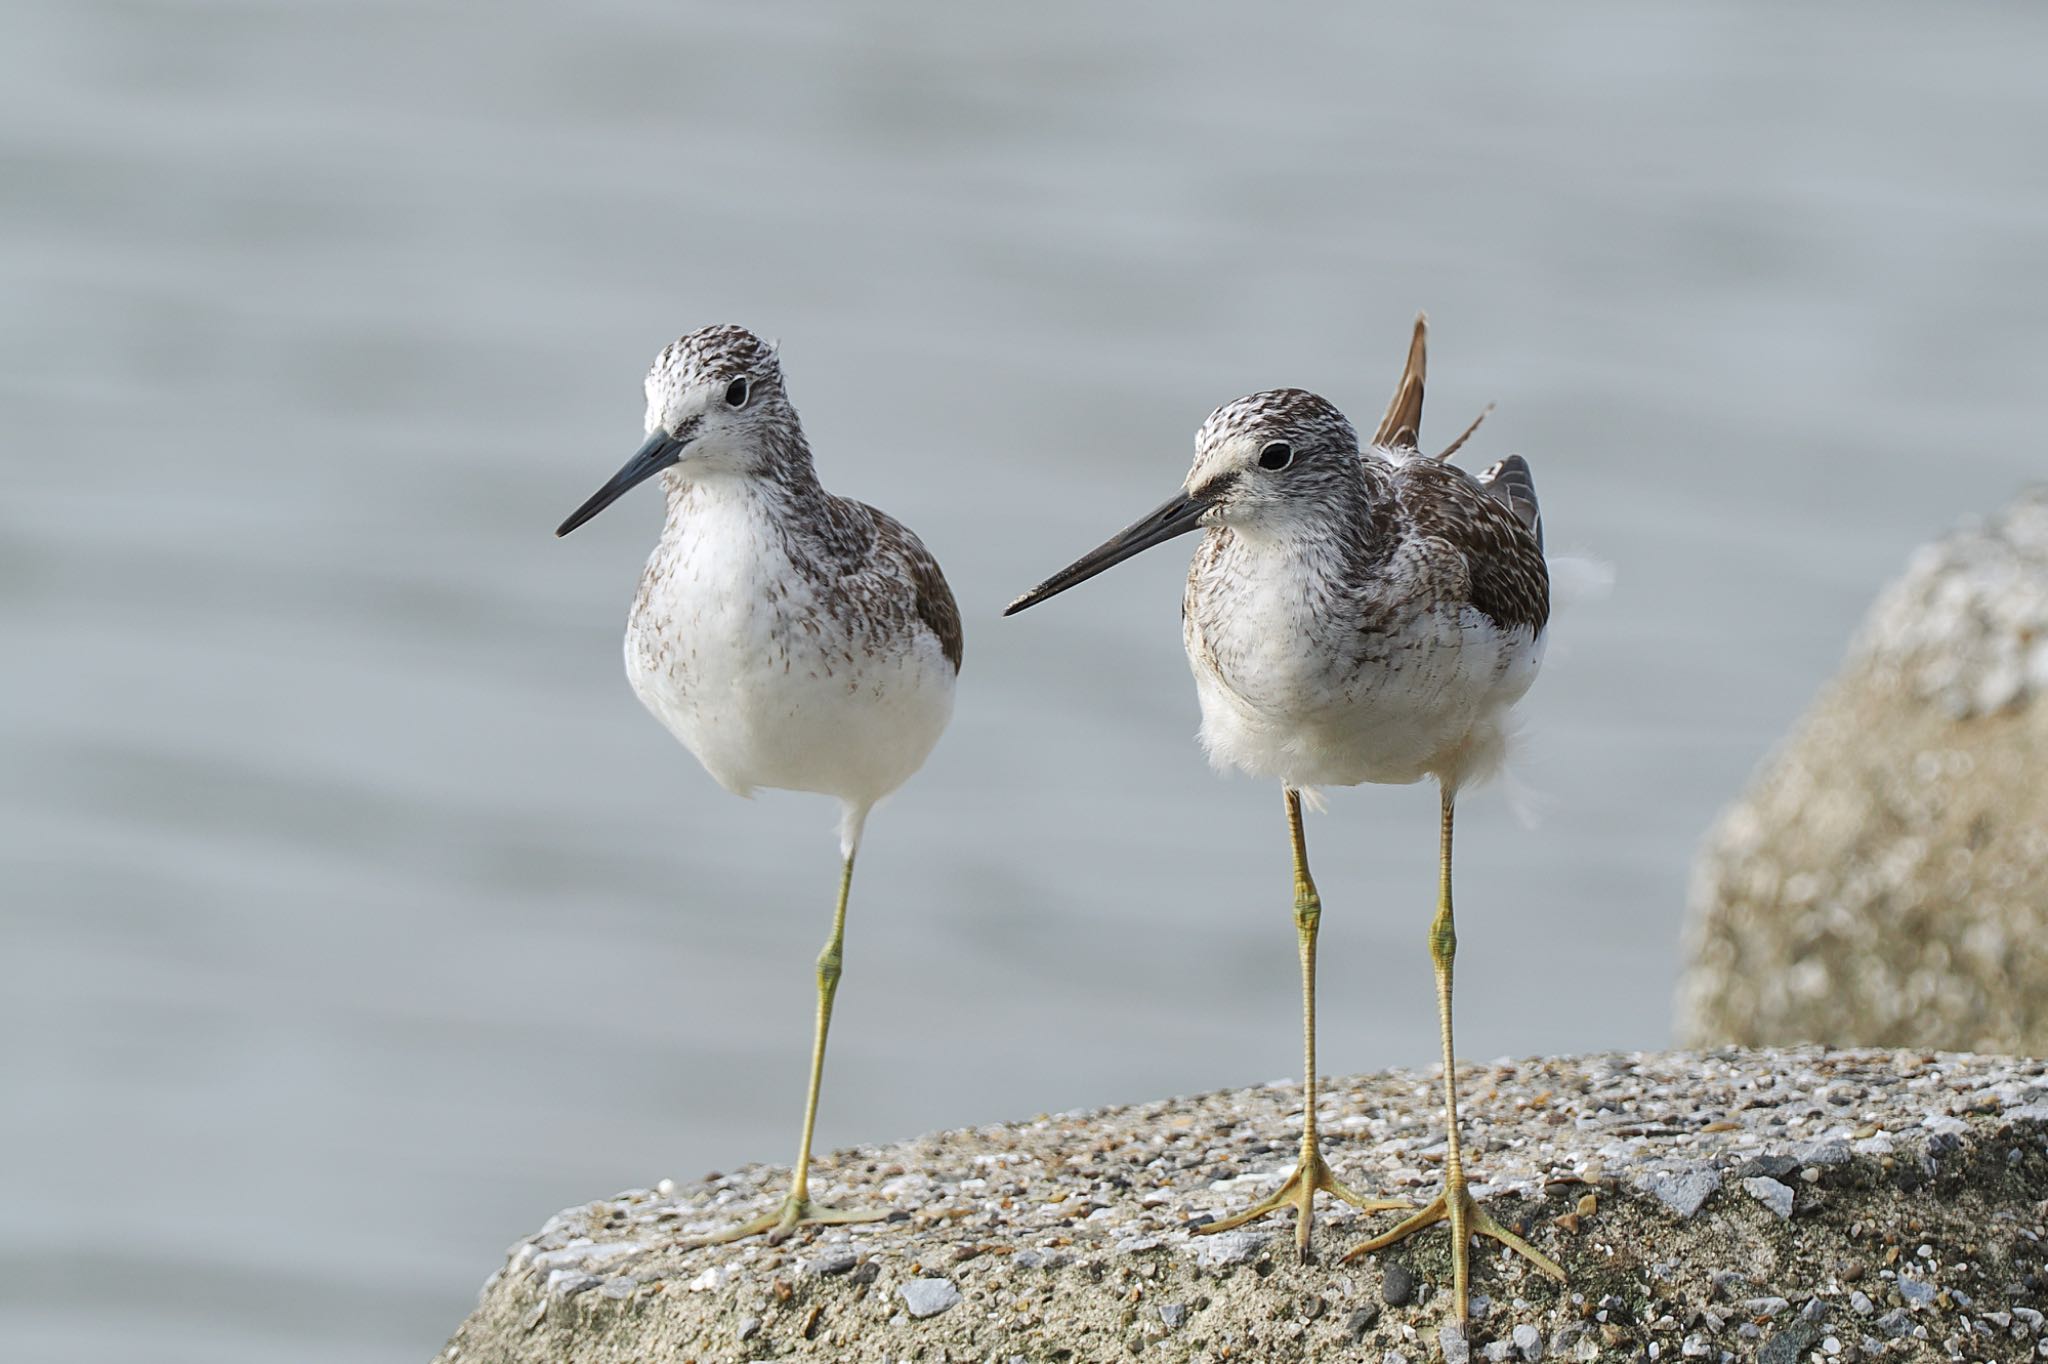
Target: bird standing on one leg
x,y
1352,616
789,638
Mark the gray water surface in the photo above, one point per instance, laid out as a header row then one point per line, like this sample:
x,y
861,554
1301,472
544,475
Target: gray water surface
x,y
356,917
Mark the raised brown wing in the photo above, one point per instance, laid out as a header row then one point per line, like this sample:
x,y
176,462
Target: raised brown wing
x,y
1401,428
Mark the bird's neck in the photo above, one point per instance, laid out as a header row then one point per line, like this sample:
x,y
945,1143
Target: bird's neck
x,y
1343,510
772,504
775,471
1303,559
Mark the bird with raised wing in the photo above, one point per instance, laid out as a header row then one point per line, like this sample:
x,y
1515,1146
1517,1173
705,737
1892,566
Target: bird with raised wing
x,y
1353,615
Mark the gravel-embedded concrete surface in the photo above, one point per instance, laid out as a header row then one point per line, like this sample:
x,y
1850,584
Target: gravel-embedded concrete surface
x,y
1731,1205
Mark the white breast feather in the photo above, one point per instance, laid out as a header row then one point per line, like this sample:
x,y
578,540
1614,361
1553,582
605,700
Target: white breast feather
x,y
733,651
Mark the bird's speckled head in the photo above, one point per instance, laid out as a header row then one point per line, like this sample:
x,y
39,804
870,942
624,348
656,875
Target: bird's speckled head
x,y
716,392
716,408
1263,456
1270,464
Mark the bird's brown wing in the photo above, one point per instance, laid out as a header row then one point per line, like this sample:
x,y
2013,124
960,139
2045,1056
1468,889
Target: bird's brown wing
x,y
1511,481
934,599
1503,556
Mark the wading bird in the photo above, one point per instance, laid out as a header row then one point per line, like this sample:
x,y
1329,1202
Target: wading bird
x,y
1353,616
789,638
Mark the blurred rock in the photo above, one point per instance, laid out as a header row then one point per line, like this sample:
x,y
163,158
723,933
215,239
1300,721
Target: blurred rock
x,y
1885,880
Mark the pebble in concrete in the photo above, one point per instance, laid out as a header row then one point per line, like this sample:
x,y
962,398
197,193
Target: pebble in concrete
x,y
1227,1248
1769,1192
1684,1189
567,1283
831,1260
1827,1154
928,1297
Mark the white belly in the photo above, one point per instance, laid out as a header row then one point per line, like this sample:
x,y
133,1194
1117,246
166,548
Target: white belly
x,y
1432,703
738,656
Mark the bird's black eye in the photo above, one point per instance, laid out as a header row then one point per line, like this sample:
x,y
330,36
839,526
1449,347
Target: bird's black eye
x,y
1276,456
736,393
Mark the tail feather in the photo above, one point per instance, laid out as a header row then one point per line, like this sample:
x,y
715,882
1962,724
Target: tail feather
x,y
1466,434
1401,428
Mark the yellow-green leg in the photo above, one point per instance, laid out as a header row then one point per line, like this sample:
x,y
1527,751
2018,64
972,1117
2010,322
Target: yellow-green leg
x,y
1311,1173
1455,1204
798,1210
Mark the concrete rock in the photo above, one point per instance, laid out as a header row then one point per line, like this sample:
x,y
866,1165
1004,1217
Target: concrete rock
x,y
1006,1241
1885,879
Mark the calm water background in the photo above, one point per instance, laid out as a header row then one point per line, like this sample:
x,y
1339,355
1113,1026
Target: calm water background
x,y
355,915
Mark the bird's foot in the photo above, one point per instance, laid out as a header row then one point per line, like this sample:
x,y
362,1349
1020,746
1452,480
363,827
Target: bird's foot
x,y
1457,1206
796,1211
1309,1177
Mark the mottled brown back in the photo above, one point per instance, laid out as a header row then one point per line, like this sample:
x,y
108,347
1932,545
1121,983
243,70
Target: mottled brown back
x,y
935,604
1510,584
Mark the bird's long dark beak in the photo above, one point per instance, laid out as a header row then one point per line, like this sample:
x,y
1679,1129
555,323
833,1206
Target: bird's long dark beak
x,y
1180,514
661,450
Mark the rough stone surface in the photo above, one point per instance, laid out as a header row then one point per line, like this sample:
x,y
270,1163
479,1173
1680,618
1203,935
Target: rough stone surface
x,y
1684,1189
1927,1244
1885,879
928,1297
1769,1192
